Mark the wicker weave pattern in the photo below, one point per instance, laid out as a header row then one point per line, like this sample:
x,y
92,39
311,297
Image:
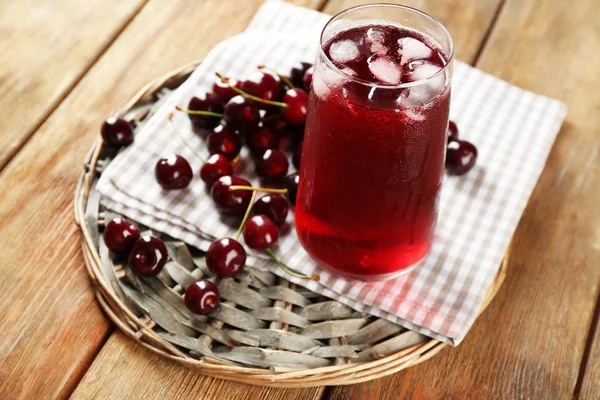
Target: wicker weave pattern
x,y
266,332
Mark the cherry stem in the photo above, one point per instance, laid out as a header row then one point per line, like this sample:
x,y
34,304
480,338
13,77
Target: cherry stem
x,y
248,95
183,140
257,189
284,78
198,112
239,232
288,270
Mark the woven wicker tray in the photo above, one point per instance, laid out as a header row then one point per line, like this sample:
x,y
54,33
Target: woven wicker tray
x,y
283,336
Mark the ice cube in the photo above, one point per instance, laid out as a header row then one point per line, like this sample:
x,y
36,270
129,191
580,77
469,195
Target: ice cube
x,y
413,114
412,49
420,95
431,87
333,78
343,51
423,71
415,96
385,70
325,79
376,40
375,35
379,48
319,87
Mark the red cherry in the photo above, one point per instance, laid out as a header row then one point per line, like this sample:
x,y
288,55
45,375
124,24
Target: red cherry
x,y
261,140
460,157
205,102
202,297
274,206
262,84
120,235
241,114
452,131
291,183
223,91
273,165
117,132
260,232
225,257
308,76
231,202
222,141
297,156
148,256
297,101
297,73
215,167
173,172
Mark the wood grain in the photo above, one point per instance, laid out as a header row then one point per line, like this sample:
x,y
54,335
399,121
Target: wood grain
x,y
123,368
528,344
46,47
52,327
467,20
530,341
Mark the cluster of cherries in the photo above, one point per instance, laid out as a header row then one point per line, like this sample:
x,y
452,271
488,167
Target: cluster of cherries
x,y
147,257
267,112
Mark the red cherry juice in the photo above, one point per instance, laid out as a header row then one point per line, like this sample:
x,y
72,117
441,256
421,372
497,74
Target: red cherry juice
x,y
373,152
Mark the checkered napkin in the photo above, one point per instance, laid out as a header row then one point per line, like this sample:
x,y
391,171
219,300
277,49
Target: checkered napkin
x,y
513,129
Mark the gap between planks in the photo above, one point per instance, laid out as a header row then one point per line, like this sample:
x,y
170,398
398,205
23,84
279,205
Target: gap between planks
x,y
589,343
68,389
488,33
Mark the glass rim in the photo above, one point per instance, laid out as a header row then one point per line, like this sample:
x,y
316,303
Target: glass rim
x,y
331,64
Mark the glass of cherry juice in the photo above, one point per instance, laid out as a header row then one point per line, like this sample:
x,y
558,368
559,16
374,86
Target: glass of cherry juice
x,y
375,141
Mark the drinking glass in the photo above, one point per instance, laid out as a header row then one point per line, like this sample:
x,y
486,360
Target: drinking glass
x,y
375,141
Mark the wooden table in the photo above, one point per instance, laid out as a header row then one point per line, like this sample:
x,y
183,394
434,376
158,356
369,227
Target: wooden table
x,y
66,64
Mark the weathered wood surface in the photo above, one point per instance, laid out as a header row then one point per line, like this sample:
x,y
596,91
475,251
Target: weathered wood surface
x,y
531,341
45,48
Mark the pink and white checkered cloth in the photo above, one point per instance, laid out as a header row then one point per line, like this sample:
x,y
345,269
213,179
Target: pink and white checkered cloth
x,y
513,129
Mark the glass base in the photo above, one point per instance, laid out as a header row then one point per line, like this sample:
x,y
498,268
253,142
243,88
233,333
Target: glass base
x,y
375,278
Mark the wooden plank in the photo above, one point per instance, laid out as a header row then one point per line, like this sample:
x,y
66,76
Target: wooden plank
x,y
530,342
52,327
590,377
46,47
141,374
467,20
